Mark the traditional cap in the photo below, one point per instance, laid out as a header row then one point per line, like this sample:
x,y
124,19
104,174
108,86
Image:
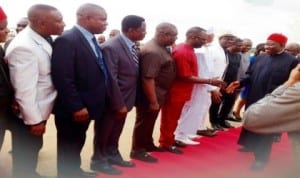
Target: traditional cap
x,y
278,37
2,14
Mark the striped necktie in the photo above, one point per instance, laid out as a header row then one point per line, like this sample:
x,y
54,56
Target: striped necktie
x,y
135,55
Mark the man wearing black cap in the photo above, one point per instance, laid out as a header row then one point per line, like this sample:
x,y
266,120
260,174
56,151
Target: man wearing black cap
x,y
266,73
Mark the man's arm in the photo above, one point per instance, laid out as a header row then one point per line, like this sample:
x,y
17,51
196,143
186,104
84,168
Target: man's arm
x,y
279,111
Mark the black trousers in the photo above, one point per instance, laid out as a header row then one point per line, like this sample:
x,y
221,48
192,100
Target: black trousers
x,y
143,129
107,134
25,149
218,112
71,137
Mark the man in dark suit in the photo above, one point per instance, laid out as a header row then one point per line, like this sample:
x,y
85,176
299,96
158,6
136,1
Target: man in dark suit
x,y
120,55
80,77
6,94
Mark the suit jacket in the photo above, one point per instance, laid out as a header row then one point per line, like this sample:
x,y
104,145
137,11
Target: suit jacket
x,y
77,75
124,72
276,112
5,86
29,57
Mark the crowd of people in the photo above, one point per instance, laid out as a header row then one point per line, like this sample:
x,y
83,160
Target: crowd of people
x,y
80,78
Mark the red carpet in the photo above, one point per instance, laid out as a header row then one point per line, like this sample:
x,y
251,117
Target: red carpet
x,y
215,157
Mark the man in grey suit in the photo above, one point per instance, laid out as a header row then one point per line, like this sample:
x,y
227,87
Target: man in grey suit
x,y
120,55
279,112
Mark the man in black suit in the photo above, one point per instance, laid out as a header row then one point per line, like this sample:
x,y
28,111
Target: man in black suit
x,y
120,55
6,94
81,78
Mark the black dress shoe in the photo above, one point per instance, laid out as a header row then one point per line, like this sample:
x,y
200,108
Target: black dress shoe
x,y
207,133
154,148
179,144
121,163
226,125
173,149
217,127
78,174
236,119
105,168
143,156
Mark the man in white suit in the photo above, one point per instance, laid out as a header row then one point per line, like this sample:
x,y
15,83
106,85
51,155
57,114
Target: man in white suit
x,y
28,57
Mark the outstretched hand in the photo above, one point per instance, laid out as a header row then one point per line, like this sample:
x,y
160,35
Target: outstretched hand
x,y
232,86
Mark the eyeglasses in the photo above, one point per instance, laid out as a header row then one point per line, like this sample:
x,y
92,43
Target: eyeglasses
x,y
200,38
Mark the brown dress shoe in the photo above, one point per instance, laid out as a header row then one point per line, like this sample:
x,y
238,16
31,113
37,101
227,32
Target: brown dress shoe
x,y
207,133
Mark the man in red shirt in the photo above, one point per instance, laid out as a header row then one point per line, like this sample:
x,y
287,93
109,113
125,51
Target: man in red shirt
x,y
187,76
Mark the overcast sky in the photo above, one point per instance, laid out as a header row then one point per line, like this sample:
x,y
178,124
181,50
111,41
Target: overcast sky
x,y
254,19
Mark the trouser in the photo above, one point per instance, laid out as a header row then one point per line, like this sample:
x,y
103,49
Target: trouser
x,y
143,128
25,150
71,137
295,142
107,135
170,113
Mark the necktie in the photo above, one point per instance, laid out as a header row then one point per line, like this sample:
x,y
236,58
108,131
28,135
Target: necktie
x,y
100,59
135,55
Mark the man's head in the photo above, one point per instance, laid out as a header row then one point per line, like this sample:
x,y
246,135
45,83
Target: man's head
x,y
114,32
92,17
45,20
134,27
246,45
196,37
3,26
275,43
22,23
226,40
166,34
293,48
101,39
236,45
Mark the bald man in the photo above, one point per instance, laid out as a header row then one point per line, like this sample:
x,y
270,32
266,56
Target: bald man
x,y
28,56
81,78
293,49
157,73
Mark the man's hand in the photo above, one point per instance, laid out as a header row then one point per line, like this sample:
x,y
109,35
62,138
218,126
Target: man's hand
x,y
218,83
81,115
232,86
38,129
216,96
154,106
122,112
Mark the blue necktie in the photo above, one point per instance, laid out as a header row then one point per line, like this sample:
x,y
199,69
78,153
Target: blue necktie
x,y
100,59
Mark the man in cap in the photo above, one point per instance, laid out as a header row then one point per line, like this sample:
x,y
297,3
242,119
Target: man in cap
x,y
268,71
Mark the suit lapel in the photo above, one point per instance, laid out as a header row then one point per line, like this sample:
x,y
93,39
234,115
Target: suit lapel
x,y
86,45
40,41
127,51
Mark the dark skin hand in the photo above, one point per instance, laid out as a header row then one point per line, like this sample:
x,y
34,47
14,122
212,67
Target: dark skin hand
x,y
81,115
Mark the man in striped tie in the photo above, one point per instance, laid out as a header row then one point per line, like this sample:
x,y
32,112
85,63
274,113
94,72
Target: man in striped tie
x,y
124,67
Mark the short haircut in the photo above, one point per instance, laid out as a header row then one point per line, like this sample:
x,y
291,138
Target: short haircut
x,y
194,31
131,21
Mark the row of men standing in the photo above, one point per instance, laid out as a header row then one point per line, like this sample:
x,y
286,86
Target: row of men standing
x,y
79,82
82,83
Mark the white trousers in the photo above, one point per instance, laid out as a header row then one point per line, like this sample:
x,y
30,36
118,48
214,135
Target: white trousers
x,y
194,112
